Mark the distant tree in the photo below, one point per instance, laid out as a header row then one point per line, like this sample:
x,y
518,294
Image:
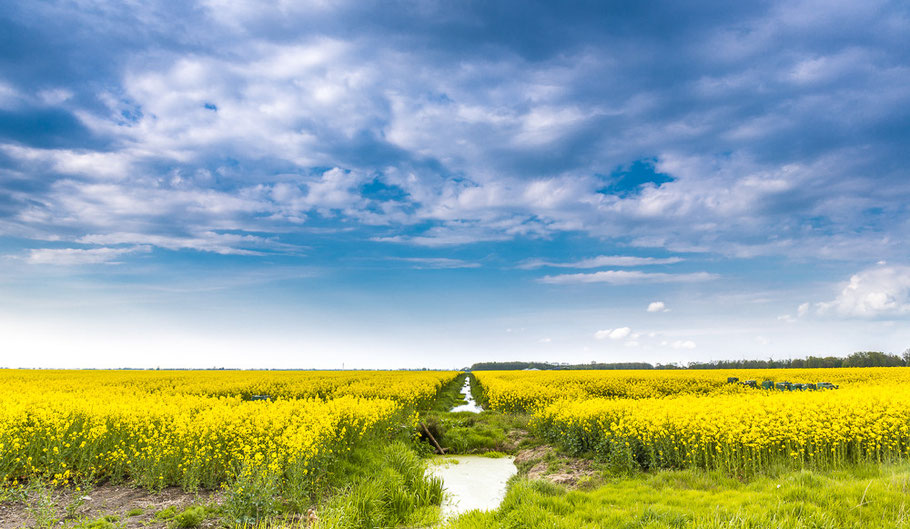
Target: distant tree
x,y
873,359
906,357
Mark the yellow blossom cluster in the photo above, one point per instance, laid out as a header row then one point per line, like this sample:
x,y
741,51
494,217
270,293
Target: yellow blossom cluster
x,y
662,421
530,390
195,428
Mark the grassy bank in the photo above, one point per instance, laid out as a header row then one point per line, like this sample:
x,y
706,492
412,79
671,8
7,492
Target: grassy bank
x,y
858,497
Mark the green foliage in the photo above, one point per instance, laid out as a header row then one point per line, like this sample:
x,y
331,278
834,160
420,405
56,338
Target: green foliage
x,y
40,503
450,395
137,511
166,514
105,522
471,433
252,497
862,496
191,517
384,487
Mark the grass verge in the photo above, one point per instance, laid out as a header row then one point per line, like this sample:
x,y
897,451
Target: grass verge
x,y
862,496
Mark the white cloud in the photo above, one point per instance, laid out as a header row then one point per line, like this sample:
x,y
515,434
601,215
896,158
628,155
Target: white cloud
x,y
9,97
545,340
878,291
626,277
54,96
79,256
600,261
220,243
657,306
613,334
802,310
92,164
683,344
438,262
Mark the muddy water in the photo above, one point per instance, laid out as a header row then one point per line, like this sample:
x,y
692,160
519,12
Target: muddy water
x,y
471,405
472,482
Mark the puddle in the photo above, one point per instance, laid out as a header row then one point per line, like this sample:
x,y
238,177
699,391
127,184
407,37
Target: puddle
x,y
471,405
472,482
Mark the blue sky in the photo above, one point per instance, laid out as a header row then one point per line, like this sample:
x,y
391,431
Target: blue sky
x,y
407,184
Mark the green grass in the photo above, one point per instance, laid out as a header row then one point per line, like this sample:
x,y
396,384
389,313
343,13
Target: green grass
x,y
387,487
449,395
472,433
860,497
189,518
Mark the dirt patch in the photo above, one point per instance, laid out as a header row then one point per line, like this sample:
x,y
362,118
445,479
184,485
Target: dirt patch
x,y
514,440
68,506
544,462
533,455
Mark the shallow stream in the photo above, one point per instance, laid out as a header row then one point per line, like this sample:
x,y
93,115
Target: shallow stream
x,y
472,482
470,405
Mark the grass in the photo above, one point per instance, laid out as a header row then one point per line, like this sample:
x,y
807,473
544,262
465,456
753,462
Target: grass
x,y
449,395
189,518
863,496
471,433
388,487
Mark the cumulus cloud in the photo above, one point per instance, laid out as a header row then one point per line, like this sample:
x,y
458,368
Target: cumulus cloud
x,y
883,290
626,277
409,126
657,306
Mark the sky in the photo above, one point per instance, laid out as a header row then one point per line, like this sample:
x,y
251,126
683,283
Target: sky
x,y
358,184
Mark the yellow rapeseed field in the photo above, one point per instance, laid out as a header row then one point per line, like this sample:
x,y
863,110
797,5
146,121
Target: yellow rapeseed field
x,y
674,419
195,428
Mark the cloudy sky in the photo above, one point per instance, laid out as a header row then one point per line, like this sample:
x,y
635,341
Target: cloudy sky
x,y
405,184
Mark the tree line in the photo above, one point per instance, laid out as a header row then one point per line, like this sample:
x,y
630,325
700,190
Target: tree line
x,y
858,359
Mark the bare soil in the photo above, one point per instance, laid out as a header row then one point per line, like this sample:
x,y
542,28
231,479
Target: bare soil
x,y
544,462
102,501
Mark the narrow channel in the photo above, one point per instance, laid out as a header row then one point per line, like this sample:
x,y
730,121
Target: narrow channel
x,y
470,406
472,482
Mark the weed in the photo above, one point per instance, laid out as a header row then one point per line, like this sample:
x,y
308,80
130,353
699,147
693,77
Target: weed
x,y
191,517
166,514
40,503
252,497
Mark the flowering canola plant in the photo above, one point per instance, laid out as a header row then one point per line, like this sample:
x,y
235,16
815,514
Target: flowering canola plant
x,y
694,418
195,429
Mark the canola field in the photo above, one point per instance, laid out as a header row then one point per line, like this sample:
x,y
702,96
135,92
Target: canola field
x,y
197,429
684,419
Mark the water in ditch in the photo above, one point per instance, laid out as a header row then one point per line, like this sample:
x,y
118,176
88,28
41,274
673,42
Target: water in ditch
x,y
470,405
472,482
